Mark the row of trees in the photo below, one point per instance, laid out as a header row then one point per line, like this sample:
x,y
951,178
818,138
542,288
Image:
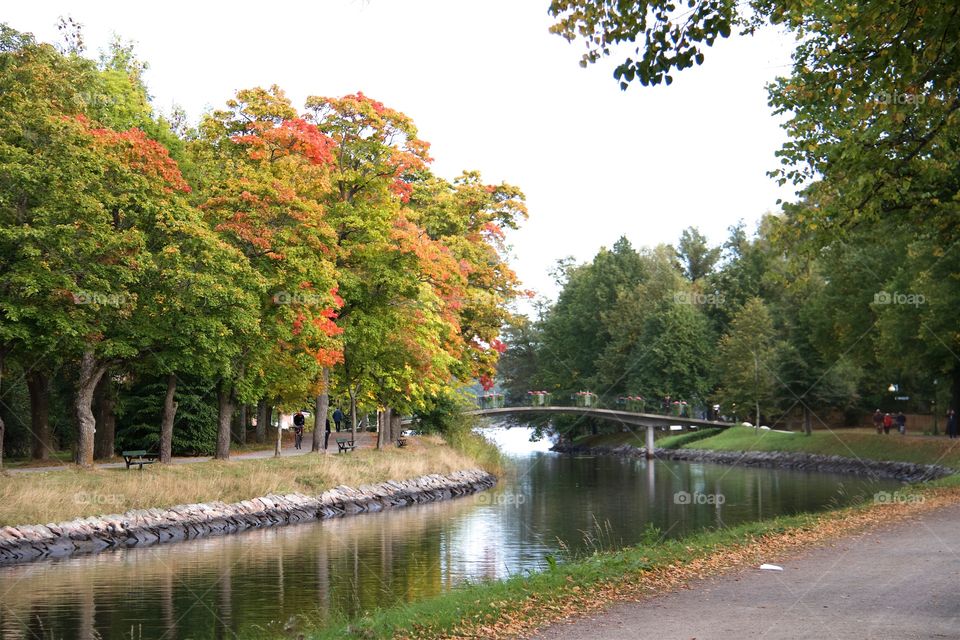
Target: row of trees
x,y
267,255
755,325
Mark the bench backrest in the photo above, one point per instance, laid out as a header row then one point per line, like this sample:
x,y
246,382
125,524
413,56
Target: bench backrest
x,y
133,453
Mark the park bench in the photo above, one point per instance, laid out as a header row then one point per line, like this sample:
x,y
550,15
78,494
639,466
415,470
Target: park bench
x,y
401,441
139,458
345,444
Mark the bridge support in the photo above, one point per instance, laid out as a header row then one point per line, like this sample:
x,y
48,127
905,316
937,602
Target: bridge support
x,y
649,443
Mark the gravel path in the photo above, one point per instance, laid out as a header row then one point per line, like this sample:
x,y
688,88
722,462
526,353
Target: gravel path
x,y
898,581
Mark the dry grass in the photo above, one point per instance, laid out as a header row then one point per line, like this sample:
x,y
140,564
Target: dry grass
x,y
54,496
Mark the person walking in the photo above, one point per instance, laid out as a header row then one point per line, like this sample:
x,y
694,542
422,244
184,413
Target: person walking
x,y
952,423
901,423
338,418
887,423
878,420
298,423
326,435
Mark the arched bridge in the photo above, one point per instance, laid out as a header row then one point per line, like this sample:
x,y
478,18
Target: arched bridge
x,y
649,421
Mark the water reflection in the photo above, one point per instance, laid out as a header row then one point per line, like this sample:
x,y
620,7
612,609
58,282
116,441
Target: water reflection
x,y
237,585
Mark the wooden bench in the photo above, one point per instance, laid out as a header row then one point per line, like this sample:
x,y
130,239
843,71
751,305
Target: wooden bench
x,y
401,441
139,458
344,445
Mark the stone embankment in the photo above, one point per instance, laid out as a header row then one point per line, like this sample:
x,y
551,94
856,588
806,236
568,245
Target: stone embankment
x,y
902,471
152,526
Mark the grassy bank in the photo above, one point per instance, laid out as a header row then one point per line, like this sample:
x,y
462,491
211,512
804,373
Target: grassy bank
x,y
524,603
41,497
850,443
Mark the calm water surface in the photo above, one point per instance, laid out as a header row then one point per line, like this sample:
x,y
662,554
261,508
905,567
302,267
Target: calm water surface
x,y
241,585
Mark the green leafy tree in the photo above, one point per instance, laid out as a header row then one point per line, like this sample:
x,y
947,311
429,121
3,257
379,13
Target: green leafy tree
x,y
746,361
574,331
674,354
697,258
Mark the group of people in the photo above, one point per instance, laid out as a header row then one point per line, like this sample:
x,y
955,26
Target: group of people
x,y
299,422
883,422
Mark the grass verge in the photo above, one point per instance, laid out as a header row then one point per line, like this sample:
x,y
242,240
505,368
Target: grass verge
x,y
53,496
523,604
849,443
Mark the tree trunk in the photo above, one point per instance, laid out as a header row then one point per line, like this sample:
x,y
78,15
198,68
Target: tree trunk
x,y
955,389
242,434
236,424
38,383
807,421
262,419
382,421
321,408
90,373
396,425
166,422
353,415
2,425
104,442
224,420
278,445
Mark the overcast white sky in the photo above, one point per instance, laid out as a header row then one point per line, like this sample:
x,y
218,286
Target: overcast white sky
x,y
492,90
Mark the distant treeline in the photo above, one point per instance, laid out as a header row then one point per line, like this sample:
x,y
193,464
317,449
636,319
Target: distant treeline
x,y
761,324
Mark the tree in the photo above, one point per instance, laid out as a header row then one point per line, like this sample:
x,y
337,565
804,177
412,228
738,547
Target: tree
x,y
672,35
518,370
673,355
696,257
574,331
746,360
268,170
631,323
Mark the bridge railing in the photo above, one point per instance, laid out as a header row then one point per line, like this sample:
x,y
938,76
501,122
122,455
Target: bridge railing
x,y
638,404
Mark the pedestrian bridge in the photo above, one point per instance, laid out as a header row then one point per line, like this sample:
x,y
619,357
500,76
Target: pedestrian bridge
x,y
649,421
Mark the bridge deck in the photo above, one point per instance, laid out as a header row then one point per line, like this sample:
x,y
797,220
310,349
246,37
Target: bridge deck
x,y
614,415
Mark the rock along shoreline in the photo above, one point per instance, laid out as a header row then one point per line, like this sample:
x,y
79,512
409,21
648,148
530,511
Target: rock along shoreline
x,y
144,527
906,472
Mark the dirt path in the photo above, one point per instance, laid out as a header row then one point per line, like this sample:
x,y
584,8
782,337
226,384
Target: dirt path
x,y
898,581
364,440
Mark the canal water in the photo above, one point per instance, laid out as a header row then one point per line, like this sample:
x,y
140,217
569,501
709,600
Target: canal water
x,y
263,581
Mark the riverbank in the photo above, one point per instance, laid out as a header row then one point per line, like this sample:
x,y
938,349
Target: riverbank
x,y
523,604
145,527
906,472
60,495
905,458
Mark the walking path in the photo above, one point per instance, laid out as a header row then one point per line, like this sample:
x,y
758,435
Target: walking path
x,y
363,440
898,581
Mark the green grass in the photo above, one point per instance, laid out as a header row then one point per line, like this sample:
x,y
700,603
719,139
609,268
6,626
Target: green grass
x,y
686,439
850,443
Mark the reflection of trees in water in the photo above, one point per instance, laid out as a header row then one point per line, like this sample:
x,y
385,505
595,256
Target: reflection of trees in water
x,y
216,587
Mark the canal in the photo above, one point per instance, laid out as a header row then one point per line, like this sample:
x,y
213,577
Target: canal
x,y
262,581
